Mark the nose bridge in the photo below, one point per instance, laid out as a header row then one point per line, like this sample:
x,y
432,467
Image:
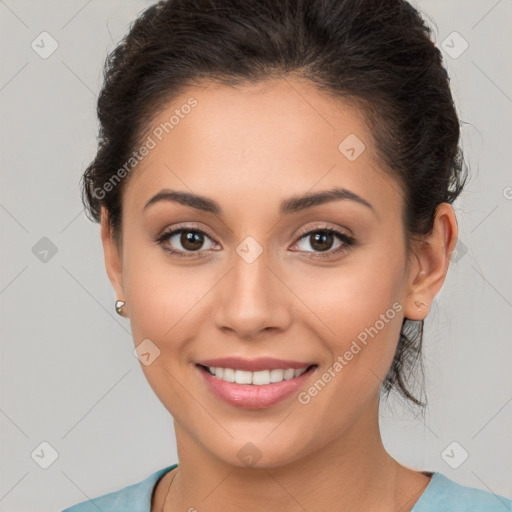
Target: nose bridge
x,y
251,301
250,273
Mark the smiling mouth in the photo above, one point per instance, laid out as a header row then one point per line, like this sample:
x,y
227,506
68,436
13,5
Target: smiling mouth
x,y
259,378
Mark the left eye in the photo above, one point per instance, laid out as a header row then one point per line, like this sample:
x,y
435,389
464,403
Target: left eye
x,y
322,240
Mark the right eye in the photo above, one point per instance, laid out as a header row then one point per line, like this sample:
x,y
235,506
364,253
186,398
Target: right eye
x,y
190,238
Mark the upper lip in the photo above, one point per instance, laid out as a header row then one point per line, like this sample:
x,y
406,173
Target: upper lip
x,y
253,365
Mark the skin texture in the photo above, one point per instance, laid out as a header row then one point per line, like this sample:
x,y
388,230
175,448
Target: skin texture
x,y
250,147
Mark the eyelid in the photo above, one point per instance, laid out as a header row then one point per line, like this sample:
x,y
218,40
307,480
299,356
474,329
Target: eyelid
x,y
191,226
319,227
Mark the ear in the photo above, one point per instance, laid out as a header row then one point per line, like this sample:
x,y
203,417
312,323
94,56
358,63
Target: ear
x,y
113,260
433,254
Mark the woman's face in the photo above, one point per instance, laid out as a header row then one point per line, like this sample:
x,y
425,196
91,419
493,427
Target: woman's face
x,y
248,281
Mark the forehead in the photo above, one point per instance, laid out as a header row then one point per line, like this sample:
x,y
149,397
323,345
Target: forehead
x,y
281,137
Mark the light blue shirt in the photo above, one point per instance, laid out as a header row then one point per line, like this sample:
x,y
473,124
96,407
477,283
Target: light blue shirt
x,y
441,495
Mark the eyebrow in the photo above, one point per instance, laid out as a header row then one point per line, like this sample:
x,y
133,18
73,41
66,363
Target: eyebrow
x,y
289,206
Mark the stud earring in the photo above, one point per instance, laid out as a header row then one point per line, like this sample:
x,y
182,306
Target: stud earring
x,y
419,304
119,307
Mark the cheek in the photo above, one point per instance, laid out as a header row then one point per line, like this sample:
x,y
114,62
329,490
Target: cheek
x,y
357,312
164,298
162,305
349,298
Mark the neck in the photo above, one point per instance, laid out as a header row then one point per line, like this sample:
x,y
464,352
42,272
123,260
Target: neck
x,y
351,472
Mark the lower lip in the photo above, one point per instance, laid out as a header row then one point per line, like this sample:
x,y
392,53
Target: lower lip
x,y
251,396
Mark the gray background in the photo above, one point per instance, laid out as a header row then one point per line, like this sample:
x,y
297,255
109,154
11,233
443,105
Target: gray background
x,y
68,374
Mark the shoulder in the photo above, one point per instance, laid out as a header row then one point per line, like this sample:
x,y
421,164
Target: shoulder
x,y
444,495
133,498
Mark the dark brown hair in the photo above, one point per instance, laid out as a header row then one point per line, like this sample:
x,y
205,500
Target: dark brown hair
x,y
377,54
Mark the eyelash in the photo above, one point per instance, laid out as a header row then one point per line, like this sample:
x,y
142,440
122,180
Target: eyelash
x,y
347,240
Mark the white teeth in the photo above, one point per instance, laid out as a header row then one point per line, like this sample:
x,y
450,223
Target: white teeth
x,y
257,378
276,375
243,377
227,374
261,378
297,373
289,374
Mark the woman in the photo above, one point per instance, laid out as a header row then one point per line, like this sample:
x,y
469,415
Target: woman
x,y
274,184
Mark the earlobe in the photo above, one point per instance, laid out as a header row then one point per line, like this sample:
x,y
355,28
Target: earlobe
x,y
433,258
113,263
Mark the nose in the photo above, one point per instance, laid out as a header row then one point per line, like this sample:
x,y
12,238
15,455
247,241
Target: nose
x,y
252,300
